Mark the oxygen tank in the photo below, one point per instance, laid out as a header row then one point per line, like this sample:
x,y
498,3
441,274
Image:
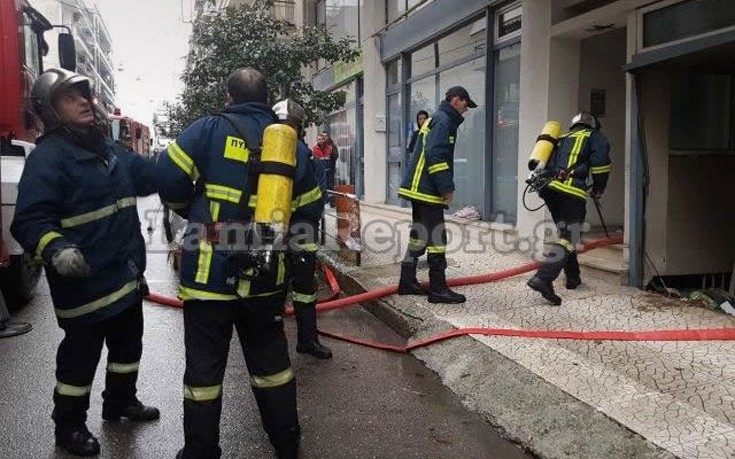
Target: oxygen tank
x,y
545,144
275,182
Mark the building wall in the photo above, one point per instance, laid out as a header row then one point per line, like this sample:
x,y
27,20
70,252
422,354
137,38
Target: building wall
x,y
601,67
372,19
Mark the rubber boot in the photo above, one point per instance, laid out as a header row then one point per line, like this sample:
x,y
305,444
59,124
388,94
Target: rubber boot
x,y
71,433
279,415
572,272
542,282
286,442
409,285
439,291
545,288
308,339
120,400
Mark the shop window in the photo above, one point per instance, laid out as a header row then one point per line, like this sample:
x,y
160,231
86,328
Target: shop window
x,y
702,113
341,17
463,43
685,20
508,23
393,71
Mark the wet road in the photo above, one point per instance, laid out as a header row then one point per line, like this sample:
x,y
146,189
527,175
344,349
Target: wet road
x,y
364,403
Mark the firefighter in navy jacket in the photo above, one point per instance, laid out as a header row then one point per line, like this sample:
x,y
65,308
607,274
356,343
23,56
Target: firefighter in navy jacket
x,y
76,211
208,175
304,244
429,185
581,154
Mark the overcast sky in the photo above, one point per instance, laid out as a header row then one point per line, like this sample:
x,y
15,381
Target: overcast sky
x,y
150,42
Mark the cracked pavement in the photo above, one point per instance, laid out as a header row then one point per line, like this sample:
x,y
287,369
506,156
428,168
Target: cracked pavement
x,y
667,398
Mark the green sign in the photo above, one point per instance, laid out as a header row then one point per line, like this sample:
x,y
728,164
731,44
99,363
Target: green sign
x,y
346,70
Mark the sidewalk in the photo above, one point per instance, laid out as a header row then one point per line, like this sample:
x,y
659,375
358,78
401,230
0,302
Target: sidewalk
x,y
562,398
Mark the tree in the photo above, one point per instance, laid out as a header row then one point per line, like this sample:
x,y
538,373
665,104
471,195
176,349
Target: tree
x,y
248,36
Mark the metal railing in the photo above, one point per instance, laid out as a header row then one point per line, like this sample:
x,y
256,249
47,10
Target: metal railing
x,y
349,226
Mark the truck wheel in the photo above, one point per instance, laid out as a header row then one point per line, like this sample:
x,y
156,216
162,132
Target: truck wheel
x,y
19,280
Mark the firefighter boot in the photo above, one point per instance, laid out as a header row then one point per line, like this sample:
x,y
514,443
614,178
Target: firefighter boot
x,y
542,282
572,273
439,291
286,443
545,288
70,415
308,340
120,400
408,285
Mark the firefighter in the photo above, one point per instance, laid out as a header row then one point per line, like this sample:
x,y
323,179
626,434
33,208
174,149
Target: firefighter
x,y
429,185
76,212
304,244
327,152
581,153
210,174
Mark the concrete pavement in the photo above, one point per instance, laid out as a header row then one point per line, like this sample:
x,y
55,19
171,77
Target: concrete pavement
x,y
561,398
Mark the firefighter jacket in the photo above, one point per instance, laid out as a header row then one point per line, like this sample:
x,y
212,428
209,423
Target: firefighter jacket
x,y
431,171
585,153
74,196
206,176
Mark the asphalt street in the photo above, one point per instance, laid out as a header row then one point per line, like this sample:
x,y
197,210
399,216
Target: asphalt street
x,y
364,403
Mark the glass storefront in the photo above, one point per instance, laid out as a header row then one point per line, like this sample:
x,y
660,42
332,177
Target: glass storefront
x,y
485,174
342,127
505,149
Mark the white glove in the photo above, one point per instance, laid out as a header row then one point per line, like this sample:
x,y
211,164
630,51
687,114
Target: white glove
x,y
69,262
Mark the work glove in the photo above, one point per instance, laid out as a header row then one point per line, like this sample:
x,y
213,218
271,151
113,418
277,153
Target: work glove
x,y
69,262
564,174
596,195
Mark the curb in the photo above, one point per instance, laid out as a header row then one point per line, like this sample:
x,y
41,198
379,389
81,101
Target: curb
x,y
525,409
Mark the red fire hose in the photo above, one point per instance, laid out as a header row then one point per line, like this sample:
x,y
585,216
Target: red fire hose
x,y
718,334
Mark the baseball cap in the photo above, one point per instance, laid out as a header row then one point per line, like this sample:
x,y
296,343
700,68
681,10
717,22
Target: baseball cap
x,y
462,93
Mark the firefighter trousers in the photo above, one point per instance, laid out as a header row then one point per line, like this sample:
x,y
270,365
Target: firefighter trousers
x,y
429,236
568,213
77,359
207,334
303,268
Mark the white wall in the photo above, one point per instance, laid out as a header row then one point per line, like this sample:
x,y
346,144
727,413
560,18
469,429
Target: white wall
x,y
374,115
602,59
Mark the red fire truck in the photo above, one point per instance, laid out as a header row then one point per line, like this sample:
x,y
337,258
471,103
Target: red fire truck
x,y
131,134
22,47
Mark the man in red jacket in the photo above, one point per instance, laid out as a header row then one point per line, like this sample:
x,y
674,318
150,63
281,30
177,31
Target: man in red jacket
x,y
325,150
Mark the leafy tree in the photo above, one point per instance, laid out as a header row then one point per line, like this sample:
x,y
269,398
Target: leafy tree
x,y
248,36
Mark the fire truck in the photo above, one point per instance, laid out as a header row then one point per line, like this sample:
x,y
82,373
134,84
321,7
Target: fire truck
x,y
22,48
129,133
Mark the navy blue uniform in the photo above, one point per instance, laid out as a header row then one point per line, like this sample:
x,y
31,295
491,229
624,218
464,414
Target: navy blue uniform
x,y
206,174
75,193
584,153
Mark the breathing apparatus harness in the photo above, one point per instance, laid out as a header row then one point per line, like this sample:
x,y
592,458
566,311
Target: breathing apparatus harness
x,y
271,171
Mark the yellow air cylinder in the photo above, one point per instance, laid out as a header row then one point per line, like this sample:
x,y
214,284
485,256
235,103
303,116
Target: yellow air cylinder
x,y
275,189
545,144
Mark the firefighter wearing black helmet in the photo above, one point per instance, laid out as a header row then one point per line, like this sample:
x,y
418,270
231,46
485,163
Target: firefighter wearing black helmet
x,y
76,211
303,244
582,154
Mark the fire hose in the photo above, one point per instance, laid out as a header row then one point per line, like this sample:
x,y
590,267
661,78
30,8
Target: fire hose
x,y
712,334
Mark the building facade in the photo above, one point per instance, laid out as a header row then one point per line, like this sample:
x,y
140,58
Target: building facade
x,y
656,73
92,40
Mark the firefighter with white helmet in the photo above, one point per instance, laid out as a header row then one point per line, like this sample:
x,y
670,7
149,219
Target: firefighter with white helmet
x,y
303,244
76,211
581,155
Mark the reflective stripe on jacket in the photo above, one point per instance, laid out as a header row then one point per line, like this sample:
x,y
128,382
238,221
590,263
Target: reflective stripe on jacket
x,y
71,196
430,174
211,153
585,152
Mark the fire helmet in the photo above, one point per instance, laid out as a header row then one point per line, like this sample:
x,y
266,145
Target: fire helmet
x,y
288,110
48,86
586,119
